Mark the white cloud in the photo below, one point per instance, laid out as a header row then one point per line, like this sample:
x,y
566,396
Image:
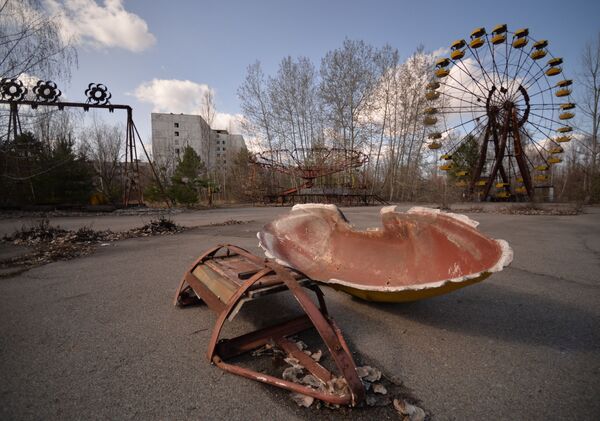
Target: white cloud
x,y
440,52
87,23
183,96
172,95
230,122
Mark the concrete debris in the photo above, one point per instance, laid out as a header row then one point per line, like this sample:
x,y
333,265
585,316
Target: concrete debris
x,y
379,388
337,385
368,373
302,400
293,362
301,345
317,355
408,411
292,374
268,349
312,381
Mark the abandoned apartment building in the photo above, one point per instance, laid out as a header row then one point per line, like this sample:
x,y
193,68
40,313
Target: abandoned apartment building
x,y
171,133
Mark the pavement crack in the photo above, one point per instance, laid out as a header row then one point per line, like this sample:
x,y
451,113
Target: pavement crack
x,y
558,278
198,331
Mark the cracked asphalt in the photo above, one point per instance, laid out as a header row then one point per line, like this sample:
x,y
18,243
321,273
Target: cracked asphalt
x,y
98,338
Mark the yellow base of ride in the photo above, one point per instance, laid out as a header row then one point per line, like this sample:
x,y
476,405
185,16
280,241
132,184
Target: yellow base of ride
x,y
408,295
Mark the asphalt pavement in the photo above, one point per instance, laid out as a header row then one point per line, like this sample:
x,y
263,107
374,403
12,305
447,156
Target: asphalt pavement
x,y
98,337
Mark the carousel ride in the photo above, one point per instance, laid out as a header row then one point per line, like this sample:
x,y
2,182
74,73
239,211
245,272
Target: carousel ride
x,y
317,163
505,92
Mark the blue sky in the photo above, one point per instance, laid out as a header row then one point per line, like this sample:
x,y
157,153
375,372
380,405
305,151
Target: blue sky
x,y
128,44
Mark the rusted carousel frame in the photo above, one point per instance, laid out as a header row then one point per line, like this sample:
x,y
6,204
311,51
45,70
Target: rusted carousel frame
x,y
221,350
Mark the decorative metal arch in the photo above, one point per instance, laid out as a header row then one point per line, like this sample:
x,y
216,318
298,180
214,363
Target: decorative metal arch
x,y
14,93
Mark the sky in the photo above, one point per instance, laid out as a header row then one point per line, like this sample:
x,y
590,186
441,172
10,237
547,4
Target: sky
x,y
162,55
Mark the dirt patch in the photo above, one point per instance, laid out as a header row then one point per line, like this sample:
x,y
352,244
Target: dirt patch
x,y
230,222
52,243
524,210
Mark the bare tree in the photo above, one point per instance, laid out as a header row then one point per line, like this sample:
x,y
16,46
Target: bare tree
x,y
208,109
255,105
590,106
31,42
348,78
293,95
104,146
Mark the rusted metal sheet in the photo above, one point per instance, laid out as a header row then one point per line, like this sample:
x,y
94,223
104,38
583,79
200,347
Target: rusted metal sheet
x,y
414,255
225,277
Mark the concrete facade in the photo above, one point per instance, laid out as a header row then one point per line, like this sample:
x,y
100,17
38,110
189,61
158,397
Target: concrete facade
x,y
171,133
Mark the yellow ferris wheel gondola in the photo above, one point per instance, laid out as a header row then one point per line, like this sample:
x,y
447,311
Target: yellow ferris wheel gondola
x,y
499,34
539,49
457,48
521,190
432,95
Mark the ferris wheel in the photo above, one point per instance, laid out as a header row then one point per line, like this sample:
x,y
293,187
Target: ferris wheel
x,y
498,111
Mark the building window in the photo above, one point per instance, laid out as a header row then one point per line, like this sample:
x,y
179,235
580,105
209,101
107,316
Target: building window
x,y
177,151
176,142
176,133
176,125
223,148
218,155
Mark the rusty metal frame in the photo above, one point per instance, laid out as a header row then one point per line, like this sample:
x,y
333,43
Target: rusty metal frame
x,y
132,172
219,351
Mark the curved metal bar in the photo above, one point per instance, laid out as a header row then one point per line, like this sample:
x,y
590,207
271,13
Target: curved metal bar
x,y
339,351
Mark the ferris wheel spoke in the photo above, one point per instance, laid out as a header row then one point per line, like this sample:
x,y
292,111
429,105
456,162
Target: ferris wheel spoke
x,y
454,108
492,49
472,92
541,92
546,118
528,72
461,90
482,88
478,127
484,73
536,76
465,123
546,108
462,100
537,146
514,78
541,104
539,128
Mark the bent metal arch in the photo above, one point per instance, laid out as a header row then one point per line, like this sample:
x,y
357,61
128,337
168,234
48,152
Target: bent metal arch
x,y
13,93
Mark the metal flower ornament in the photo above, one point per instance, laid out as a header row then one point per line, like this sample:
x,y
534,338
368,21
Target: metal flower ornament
x,y
97,94
46,91
12,89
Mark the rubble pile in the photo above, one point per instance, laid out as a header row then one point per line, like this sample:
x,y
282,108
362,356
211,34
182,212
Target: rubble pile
x,y
527,210
230,222
52,243
160,226
381,392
